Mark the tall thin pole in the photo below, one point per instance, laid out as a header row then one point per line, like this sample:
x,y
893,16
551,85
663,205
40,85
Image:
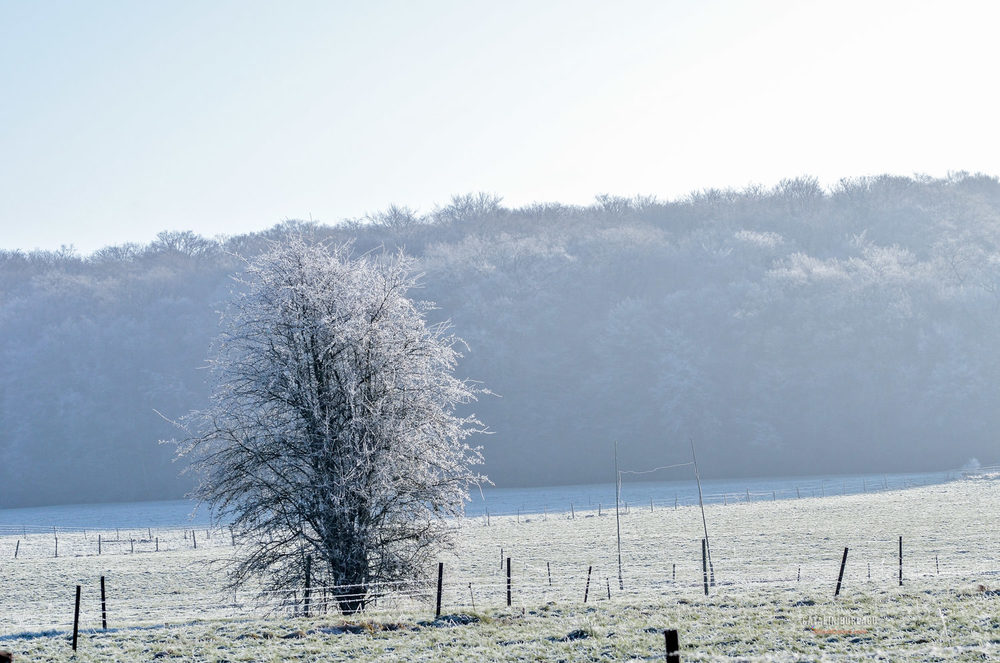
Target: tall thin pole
x,y
618,523
701,502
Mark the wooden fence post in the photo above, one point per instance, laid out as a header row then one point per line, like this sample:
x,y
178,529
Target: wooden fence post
x,y
900,561
307,593
840,577
104,607
673,646
76,617
704,563
548,567
17,548
586,590
508,582
194,540
437,611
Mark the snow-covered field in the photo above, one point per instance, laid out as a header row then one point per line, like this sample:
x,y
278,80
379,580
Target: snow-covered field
x,y
775,563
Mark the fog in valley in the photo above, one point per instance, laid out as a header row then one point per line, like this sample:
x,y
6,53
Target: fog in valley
x,y
791,330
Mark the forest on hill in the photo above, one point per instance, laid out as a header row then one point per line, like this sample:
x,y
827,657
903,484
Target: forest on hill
x,y
787,330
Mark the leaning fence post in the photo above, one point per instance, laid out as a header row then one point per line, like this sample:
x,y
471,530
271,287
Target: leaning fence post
x,y
16,548
76,617
673,646
104,607
437,611
586,590
840,577
194,540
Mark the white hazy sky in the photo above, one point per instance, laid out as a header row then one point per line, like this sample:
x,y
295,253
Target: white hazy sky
x,y
121,119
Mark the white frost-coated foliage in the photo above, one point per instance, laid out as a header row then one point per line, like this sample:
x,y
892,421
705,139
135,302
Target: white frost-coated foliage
x,y
332,430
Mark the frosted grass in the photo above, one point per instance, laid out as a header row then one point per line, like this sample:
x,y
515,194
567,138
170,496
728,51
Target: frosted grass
x,y
775,563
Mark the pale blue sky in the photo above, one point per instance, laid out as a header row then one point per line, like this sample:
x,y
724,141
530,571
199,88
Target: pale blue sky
x,y
121,119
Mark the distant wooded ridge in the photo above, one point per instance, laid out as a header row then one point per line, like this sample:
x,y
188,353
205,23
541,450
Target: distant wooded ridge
x,y
787,330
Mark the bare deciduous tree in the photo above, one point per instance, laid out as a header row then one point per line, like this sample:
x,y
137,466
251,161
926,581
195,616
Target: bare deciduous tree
x,y
332,430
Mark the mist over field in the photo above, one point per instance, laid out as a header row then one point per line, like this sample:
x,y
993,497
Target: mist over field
x,y
787,330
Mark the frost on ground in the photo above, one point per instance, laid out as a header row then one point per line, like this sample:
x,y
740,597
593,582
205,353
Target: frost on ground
x,y
775,563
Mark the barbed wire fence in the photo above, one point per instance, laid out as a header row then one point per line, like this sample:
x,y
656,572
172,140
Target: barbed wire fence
x,y
166,575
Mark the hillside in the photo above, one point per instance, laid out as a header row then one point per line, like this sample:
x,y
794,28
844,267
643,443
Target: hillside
x,y
784,329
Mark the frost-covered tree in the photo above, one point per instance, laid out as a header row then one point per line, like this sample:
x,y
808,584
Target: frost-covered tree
x,y
332,431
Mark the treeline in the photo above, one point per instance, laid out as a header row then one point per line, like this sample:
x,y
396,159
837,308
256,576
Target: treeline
x,y
787,330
